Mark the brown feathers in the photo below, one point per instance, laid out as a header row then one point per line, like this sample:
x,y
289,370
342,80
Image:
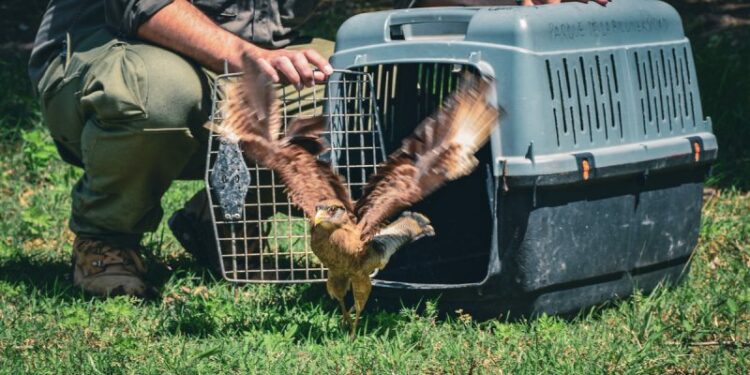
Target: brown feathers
x,y
305,132
441,149
251,116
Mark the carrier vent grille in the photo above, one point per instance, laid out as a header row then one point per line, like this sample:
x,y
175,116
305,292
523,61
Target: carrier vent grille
x,y
591,94
665,95
587,100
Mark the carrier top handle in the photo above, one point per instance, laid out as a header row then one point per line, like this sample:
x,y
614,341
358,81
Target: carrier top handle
x,y
444,25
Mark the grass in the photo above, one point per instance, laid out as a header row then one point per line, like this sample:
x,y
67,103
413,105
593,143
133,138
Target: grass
x,y
201,325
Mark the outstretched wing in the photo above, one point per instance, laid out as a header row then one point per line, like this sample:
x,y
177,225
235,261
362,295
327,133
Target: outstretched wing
x,y
251,115
441,149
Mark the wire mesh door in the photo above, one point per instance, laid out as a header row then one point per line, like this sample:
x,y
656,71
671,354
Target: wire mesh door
x,y
261,237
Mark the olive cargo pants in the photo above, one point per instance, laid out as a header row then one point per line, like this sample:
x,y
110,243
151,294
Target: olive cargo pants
x,y
131,114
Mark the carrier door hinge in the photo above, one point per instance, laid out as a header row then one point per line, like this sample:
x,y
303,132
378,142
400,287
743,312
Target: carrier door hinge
x,y
360,59
475,57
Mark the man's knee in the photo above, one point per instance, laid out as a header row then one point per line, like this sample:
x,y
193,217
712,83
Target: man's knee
x,y
145,87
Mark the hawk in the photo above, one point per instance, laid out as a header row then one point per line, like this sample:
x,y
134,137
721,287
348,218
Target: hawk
x,y
350,238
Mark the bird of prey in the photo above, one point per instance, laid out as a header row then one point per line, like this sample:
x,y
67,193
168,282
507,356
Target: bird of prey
x,y
352,239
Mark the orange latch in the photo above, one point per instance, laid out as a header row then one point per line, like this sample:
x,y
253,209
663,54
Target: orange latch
x,y
586,168
696,151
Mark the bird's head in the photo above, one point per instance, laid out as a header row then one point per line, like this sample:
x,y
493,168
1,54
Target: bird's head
x,y
331,214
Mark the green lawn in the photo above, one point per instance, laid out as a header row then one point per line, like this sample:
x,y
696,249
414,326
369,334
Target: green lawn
x,y
201,325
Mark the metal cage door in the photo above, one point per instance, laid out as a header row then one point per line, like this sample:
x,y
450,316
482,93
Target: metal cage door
x,y
261,237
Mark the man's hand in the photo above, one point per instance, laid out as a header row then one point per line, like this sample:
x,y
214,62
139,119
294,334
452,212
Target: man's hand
x,y
181,27
293,66
442,3
541,2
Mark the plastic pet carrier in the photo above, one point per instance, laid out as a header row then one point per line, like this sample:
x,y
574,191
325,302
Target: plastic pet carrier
x,y
591,186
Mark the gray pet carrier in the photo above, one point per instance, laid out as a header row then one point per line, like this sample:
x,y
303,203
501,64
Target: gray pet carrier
x,y
592,185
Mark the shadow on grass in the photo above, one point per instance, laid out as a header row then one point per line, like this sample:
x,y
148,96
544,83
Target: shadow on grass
x,y
54,278
301,313
47,278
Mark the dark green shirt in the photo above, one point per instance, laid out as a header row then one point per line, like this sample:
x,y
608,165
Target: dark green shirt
x,y
269,23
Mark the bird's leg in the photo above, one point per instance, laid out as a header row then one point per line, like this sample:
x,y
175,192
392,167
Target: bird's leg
x,y
361,287
418,225
337,286
409,227
345,313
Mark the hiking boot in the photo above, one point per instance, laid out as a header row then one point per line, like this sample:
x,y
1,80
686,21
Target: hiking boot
x,y
103,269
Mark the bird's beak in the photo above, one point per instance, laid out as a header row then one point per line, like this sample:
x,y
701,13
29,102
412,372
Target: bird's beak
x,y
319,216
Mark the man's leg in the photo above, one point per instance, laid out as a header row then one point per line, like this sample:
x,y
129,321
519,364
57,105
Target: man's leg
x,y
135,123
144,106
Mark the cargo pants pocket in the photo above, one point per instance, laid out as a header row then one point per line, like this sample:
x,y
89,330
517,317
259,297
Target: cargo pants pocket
x,y
115,88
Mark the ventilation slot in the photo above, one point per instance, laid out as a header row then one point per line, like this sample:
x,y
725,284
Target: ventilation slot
x,y
586,99
665,95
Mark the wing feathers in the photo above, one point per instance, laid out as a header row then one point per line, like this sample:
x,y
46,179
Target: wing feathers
x,y
305,132
251,116
257,94
441,149
312,126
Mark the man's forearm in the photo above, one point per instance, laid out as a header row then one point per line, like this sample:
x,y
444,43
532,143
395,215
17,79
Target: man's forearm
x,y
437,3
183,28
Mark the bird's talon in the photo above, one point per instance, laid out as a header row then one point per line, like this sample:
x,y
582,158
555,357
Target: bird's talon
x,y
416,216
